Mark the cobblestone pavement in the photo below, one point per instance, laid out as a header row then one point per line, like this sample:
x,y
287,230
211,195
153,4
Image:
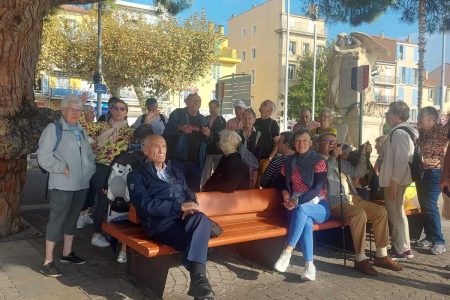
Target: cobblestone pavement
x,y
424,277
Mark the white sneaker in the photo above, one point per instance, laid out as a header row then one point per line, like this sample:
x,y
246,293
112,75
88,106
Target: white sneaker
x,y
310,272
283,262
80,222
99,241
87,220
122,258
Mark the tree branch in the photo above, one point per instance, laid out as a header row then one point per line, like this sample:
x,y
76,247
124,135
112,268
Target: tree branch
x,y
61,2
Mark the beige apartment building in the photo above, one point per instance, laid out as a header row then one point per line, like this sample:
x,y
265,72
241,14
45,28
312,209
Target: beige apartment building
x,y
397,78
259,35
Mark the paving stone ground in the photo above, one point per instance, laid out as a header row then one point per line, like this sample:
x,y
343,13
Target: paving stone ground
x,y
424,277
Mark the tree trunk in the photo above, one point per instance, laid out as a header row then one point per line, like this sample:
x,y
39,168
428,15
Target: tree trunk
x,y
422,44
12,178
20,122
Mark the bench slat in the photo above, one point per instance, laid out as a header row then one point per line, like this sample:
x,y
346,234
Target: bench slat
x,y
232,234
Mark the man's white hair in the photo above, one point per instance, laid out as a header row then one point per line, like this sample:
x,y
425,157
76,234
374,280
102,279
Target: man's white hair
x,y
229,141
71,99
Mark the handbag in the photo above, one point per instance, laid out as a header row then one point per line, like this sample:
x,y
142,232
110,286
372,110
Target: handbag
x,y
118,210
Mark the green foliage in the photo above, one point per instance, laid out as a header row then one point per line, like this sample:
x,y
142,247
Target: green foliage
x,y
300,91
152,58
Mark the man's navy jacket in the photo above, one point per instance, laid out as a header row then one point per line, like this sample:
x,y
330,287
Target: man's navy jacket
x,y
157,202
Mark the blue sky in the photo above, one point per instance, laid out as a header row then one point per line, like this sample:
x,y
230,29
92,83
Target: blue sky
x,y
219,11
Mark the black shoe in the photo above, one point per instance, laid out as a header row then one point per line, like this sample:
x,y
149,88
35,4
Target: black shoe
x,y
200,287
50,270
72,258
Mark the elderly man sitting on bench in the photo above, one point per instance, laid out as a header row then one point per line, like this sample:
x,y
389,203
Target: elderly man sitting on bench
x,y
355,211
170,212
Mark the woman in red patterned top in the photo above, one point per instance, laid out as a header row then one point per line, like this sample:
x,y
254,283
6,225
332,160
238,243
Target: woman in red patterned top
x,y
432,142
304,192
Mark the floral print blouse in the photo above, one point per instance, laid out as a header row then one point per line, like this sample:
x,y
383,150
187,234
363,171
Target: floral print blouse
x,y
106,154
433,145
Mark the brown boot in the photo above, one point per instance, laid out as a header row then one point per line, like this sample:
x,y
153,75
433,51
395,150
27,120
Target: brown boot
x,y
365,267
387,263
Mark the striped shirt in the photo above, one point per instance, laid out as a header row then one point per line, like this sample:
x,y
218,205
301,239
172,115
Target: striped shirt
x,y
272,171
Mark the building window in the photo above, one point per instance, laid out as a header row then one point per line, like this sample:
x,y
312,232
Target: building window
x,y
254,29
416,55
243,55
253,74
430,94
402,75
319,49
244,32
253,53
305,49
291,72
215,72
400,52
401,94
292,48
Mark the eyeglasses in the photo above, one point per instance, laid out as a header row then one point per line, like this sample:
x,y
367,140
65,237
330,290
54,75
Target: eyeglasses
x,y
328,141
121,108
75,110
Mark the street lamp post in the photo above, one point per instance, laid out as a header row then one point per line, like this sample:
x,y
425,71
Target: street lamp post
x,y
286,81
443,73
99,76
314,14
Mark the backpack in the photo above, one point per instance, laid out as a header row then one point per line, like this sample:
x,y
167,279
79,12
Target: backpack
x,y
161,116
416,164
58,132
118,195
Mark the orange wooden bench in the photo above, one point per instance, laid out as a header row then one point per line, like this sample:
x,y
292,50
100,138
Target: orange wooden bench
x,y
250,219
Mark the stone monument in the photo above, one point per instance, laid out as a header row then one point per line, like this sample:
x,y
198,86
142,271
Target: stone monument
x,y
350,51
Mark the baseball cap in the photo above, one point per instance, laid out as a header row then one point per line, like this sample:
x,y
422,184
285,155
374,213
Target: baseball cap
x,y
151,101
239,103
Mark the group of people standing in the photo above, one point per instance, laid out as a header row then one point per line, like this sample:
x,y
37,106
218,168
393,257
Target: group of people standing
x,y
188,152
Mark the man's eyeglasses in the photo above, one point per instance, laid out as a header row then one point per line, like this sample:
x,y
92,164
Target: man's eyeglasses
x,y
121,108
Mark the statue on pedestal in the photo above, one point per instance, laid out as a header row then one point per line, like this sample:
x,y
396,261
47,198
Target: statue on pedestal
x,y
350,51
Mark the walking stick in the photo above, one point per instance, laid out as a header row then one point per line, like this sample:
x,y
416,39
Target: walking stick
x,y
339,161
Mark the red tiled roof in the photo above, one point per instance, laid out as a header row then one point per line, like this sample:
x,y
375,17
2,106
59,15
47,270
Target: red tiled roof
x,y
435,75
74,8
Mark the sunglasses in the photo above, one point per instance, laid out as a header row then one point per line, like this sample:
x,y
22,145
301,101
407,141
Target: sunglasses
x,y
121,108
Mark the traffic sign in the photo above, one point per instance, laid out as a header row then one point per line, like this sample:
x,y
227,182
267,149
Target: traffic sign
x,y
100,88
360,78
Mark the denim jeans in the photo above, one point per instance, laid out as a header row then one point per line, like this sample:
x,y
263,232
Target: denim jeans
x,y
302,219
428,193
192,173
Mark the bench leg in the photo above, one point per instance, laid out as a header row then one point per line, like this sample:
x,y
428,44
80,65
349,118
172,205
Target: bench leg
x,y
263,252
150,273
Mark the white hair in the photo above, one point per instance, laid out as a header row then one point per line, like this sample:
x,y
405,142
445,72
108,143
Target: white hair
x,y
229,141
71,99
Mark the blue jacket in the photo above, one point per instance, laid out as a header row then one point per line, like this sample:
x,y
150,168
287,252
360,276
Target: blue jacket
x,y
177,141
157,202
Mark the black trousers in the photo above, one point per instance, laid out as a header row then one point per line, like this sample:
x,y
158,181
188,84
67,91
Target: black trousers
x,y
101,203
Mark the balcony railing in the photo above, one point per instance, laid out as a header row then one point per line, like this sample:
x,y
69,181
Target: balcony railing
x,y
386,79
385,99
229,53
